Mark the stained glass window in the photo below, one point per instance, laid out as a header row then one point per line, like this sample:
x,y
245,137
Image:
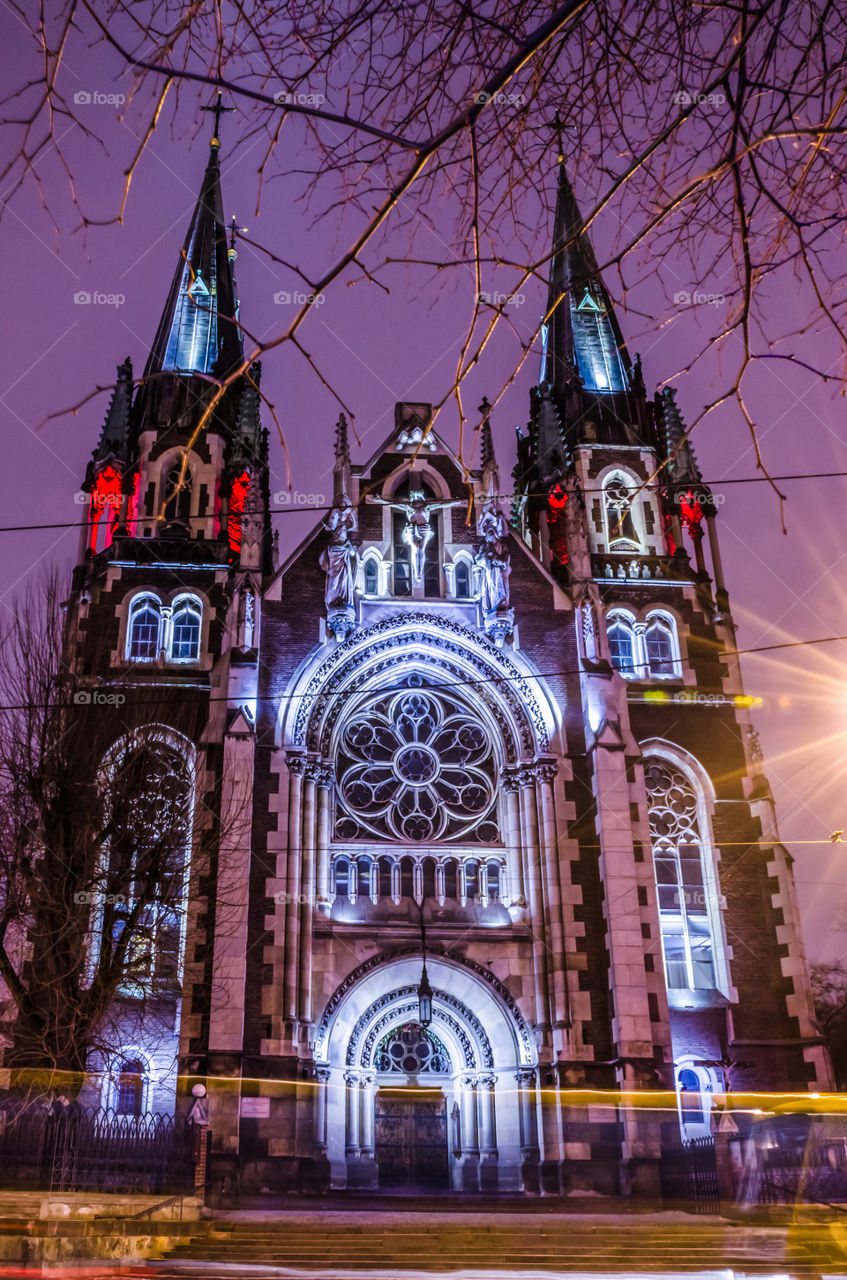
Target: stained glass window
x,y
622,646
412,1051
144,623
185,641
416,765
620,524
684,892
129,1093
659,646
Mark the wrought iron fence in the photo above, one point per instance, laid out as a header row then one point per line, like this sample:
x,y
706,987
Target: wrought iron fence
x,y
813,1174
689,1176
72,1148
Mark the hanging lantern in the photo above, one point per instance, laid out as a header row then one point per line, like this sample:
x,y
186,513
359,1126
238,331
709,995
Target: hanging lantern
x,y
424,999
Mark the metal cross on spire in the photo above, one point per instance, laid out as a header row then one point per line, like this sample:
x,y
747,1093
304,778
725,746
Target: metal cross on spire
x,y
558,126
217,110
234,231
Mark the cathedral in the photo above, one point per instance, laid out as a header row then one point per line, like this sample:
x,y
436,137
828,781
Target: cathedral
x,y
480,825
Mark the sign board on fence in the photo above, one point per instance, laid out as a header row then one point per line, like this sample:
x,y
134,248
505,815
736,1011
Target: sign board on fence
x,y
255,1108
726,1124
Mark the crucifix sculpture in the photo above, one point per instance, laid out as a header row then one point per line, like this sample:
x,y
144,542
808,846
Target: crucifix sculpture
x,y
418,532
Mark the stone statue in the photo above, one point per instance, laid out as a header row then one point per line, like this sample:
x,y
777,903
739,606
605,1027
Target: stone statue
x,y
494,559
246,615
340,559
418,532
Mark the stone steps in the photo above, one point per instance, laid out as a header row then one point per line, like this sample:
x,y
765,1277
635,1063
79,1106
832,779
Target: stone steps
x,y
439,1247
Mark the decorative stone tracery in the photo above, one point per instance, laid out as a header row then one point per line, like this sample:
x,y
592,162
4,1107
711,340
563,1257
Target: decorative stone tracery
x,y
416,765
526,1040
450,650
476,1052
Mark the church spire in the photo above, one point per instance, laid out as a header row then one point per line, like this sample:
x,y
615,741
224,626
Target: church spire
x,y
115,431
490,472
342,471
197,332
580,335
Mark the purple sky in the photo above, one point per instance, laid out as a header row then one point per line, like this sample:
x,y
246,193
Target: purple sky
x,y
381,347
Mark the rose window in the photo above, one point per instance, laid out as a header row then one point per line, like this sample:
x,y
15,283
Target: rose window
x,y
416,766
411,1051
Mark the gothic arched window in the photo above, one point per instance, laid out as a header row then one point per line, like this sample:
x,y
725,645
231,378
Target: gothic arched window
x,y
145,623
130,1087
462,579
412,1051
620,526
384,878
696,1087
371,576
185,629
364,872
342,877
660,644
687,898
178,493
147,815
416,765
622,644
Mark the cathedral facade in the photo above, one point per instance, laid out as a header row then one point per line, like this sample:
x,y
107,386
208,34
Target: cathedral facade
x,y
485,823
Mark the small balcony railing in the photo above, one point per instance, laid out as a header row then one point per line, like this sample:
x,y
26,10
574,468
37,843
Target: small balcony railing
x,y
615,566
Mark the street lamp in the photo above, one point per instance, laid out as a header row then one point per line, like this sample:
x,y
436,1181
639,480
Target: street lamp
x,y
424,989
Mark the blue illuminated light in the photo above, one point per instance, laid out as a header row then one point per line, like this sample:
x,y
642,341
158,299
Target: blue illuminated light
x,y
193,339
600,365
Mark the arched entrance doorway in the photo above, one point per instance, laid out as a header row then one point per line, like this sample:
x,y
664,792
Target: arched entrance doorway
x,y
413,1067
403,1108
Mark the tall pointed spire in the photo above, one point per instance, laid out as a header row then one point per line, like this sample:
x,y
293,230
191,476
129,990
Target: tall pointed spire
x,y
197,332
490,472
682,464
342,471
115,432
580,334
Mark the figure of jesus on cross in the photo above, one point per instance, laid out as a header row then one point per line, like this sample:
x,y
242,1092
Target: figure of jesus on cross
x,y
418,532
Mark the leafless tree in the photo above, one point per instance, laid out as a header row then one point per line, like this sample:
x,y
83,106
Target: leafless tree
x,y
829,990
101,853
712,134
